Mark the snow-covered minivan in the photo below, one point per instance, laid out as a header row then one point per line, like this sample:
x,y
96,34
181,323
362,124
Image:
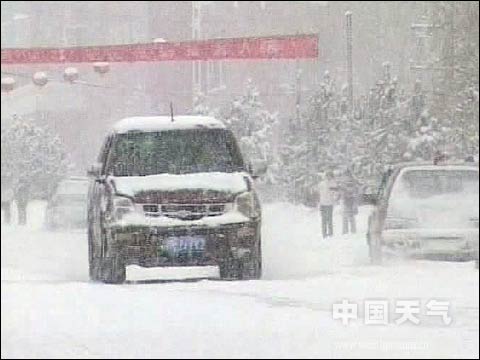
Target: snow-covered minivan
x,y
172,191
427,210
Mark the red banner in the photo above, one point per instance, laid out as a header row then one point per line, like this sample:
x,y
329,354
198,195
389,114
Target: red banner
x,y
285,47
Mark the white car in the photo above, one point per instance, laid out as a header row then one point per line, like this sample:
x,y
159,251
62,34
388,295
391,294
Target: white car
x,y
68,206
427,210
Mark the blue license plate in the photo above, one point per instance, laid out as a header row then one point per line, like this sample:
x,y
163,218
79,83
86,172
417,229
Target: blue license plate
x,y
185,246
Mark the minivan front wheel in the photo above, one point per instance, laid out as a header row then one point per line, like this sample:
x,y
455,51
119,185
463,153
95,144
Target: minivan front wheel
x,y
92,269
108,269
248,267
113,270
93,260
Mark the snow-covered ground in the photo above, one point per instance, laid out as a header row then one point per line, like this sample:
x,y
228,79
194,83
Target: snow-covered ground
x,y
50,309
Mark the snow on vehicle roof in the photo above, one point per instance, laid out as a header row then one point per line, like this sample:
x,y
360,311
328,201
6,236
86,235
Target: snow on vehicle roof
x,y
441,167
162,123
424,165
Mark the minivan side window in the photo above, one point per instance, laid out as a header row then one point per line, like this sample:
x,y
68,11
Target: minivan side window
x,y
235,152
103,156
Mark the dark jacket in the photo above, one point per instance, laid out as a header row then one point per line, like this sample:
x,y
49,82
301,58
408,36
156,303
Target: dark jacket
x,y
350,193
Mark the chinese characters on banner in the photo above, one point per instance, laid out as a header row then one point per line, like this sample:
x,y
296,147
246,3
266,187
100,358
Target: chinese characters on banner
x,y
282,47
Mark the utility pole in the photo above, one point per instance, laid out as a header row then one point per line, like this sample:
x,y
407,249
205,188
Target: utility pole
x,y
298,90
348,18
425,31
422,33
196,64
451,43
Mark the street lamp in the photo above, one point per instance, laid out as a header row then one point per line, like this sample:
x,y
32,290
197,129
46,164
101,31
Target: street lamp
x,y
40,79
102,68
8,84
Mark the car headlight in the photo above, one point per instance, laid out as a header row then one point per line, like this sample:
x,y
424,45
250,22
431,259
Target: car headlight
x,y
247,204
396,223
121,205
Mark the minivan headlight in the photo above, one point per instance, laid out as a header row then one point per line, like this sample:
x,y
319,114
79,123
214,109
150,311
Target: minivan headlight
x,y
247,204
121,205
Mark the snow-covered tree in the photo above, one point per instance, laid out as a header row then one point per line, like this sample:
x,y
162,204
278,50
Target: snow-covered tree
x,y
293,169
254,127
455,101
33,158
200,106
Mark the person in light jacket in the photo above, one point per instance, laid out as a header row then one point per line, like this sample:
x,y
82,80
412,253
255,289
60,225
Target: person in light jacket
x,y
327,198
7,198
349,190
22,197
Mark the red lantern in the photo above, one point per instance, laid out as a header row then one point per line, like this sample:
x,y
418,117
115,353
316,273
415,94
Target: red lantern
x,y
8,84
70,74
40,78
101,67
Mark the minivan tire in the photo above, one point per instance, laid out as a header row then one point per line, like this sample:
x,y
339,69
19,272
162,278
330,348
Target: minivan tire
x,y
248,268
110,270
113,270
93,262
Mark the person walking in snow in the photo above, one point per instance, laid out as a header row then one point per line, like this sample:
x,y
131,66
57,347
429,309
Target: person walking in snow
x,y
327,197
22,196
7,198
349,190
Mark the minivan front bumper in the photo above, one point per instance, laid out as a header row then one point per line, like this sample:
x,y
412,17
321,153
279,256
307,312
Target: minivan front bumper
x,y
148,246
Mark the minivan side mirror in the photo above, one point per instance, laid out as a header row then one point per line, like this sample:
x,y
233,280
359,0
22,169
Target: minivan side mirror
x,y
94,170
258,169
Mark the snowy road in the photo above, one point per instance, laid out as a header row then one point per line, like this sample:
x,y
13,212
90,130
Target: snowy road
x,y
49,309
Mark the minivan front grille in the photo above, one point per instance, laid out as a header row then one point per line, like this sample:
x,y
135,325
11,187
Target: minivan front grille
x,y
183,197
150,208
183,211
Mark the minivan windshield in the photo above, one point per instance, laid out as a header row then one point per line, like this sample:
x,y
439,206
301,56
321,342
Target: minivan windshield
x,y
174,152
